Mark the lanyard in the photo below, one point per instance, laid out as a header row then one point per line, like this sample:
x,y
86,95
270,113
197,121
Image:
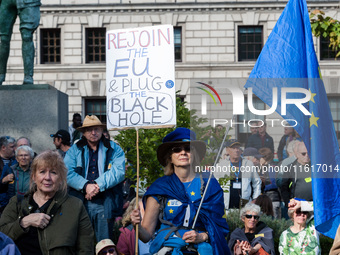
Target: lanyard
x,y
237,173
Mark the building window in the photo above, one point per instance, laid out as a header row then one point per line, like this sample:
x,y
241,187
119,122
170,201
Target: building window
x,y
178,43
326,52
334,104
243,131
50,46
250,41
95,45
96,107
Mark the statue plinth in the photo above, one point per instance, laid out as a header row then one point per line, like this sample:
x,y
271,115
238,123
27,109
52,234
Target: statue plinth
x,y
34,111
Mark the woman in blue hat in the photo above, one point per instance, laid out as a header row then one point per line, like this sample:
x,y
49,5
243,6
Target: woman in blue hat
x,y
172,201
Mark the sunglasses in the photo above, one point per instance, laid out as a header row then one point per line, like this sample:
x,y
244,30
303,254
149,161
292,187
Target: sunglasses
x,y
110,251
249,216
303,153
178,149
299,212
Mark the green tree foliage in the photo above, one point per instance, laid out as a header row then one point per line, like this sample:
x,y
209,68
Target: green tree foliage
x,y
149,140
327,27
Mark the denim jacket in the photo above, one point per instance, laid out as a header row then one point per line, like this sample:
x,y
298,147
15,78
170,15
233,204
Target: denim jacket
x,y
111,167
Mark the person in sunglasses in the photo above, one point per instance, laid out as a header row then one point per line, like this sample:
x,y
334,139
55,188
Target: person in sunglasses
x,y
106,246
302,237
172,201
255,237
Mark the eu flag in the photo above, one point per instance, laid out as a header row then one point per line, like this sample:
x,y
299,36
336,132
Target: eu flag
x,y
288,59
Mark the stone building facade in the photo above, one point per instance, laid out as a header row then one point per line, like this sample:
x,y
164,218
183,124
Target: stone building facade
x,y
208,44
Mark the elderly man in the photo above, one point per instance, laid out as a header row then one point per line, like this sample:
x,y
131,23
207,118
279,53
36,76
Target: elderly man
x,y
297,180
7,150
96,169
29,15
244,184
261,139
62,141
23,141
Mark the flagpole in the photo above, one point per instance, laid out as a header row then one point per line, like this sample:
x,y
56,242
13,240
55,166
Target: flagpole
x,y
137,187
208,182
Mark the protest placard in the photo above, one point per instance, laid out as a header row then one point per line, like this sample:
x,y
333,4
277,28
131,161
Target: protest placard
x,y
140,78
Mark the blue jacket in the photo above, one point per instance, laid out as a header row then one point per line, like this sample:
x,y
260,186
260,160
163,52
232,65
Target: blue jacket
x,y
10,188
111,167
3,187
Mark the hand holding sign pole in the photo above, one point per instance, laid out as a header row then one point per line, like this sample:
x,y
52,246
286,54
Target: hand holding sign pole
x,y
140,81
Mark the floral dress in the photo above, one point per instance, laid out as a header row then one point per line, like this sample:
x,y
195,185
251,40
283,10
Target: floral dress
x,y
304,242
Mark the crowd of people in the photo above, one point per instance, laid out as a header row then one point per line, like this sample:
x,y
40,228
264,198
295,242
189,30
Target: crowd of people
x,y
66,201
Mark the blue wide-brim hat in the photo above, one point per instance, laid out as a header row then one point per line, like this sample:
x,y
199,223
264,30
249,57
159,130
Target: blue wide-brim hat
x,y
179,136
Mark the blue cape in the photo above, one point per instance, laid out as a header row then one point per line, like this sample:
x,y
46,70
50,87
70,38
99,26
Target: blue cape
x,y
212,210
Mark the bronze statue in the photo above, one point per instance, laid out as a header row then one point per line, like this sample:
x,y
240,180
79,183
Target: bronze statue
x,y
28,12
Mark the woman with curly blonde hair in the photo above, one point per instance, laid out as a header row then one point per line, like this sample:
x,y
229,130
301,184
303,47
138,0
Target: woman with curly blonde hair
x,y
127,239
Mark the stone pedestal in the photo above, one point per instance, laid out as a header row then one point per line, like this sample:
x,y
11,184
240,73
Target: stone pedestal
x,y
34,111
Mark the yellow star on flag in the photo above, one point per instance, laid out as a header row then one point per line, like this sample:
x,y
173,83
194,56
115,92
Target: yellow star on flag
x,y
192,193
312,96
169,203
313,120
171,211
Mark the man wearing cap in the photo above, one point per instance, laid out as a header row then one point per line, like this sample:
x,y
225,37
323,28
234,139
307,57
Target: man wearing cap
x,y
62,141
96,170
243,177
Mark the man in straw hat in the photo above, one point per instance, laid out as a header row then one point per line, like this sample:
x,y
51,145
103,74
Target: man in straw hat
x,y
96,170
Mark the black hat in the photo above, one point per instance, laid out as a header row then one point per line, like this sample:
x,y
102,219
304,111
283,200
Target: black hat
x,y
63,134
179,136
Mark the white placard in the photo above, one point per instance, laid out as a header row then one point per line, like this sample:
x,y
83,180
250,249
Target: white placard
x,y
140,78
